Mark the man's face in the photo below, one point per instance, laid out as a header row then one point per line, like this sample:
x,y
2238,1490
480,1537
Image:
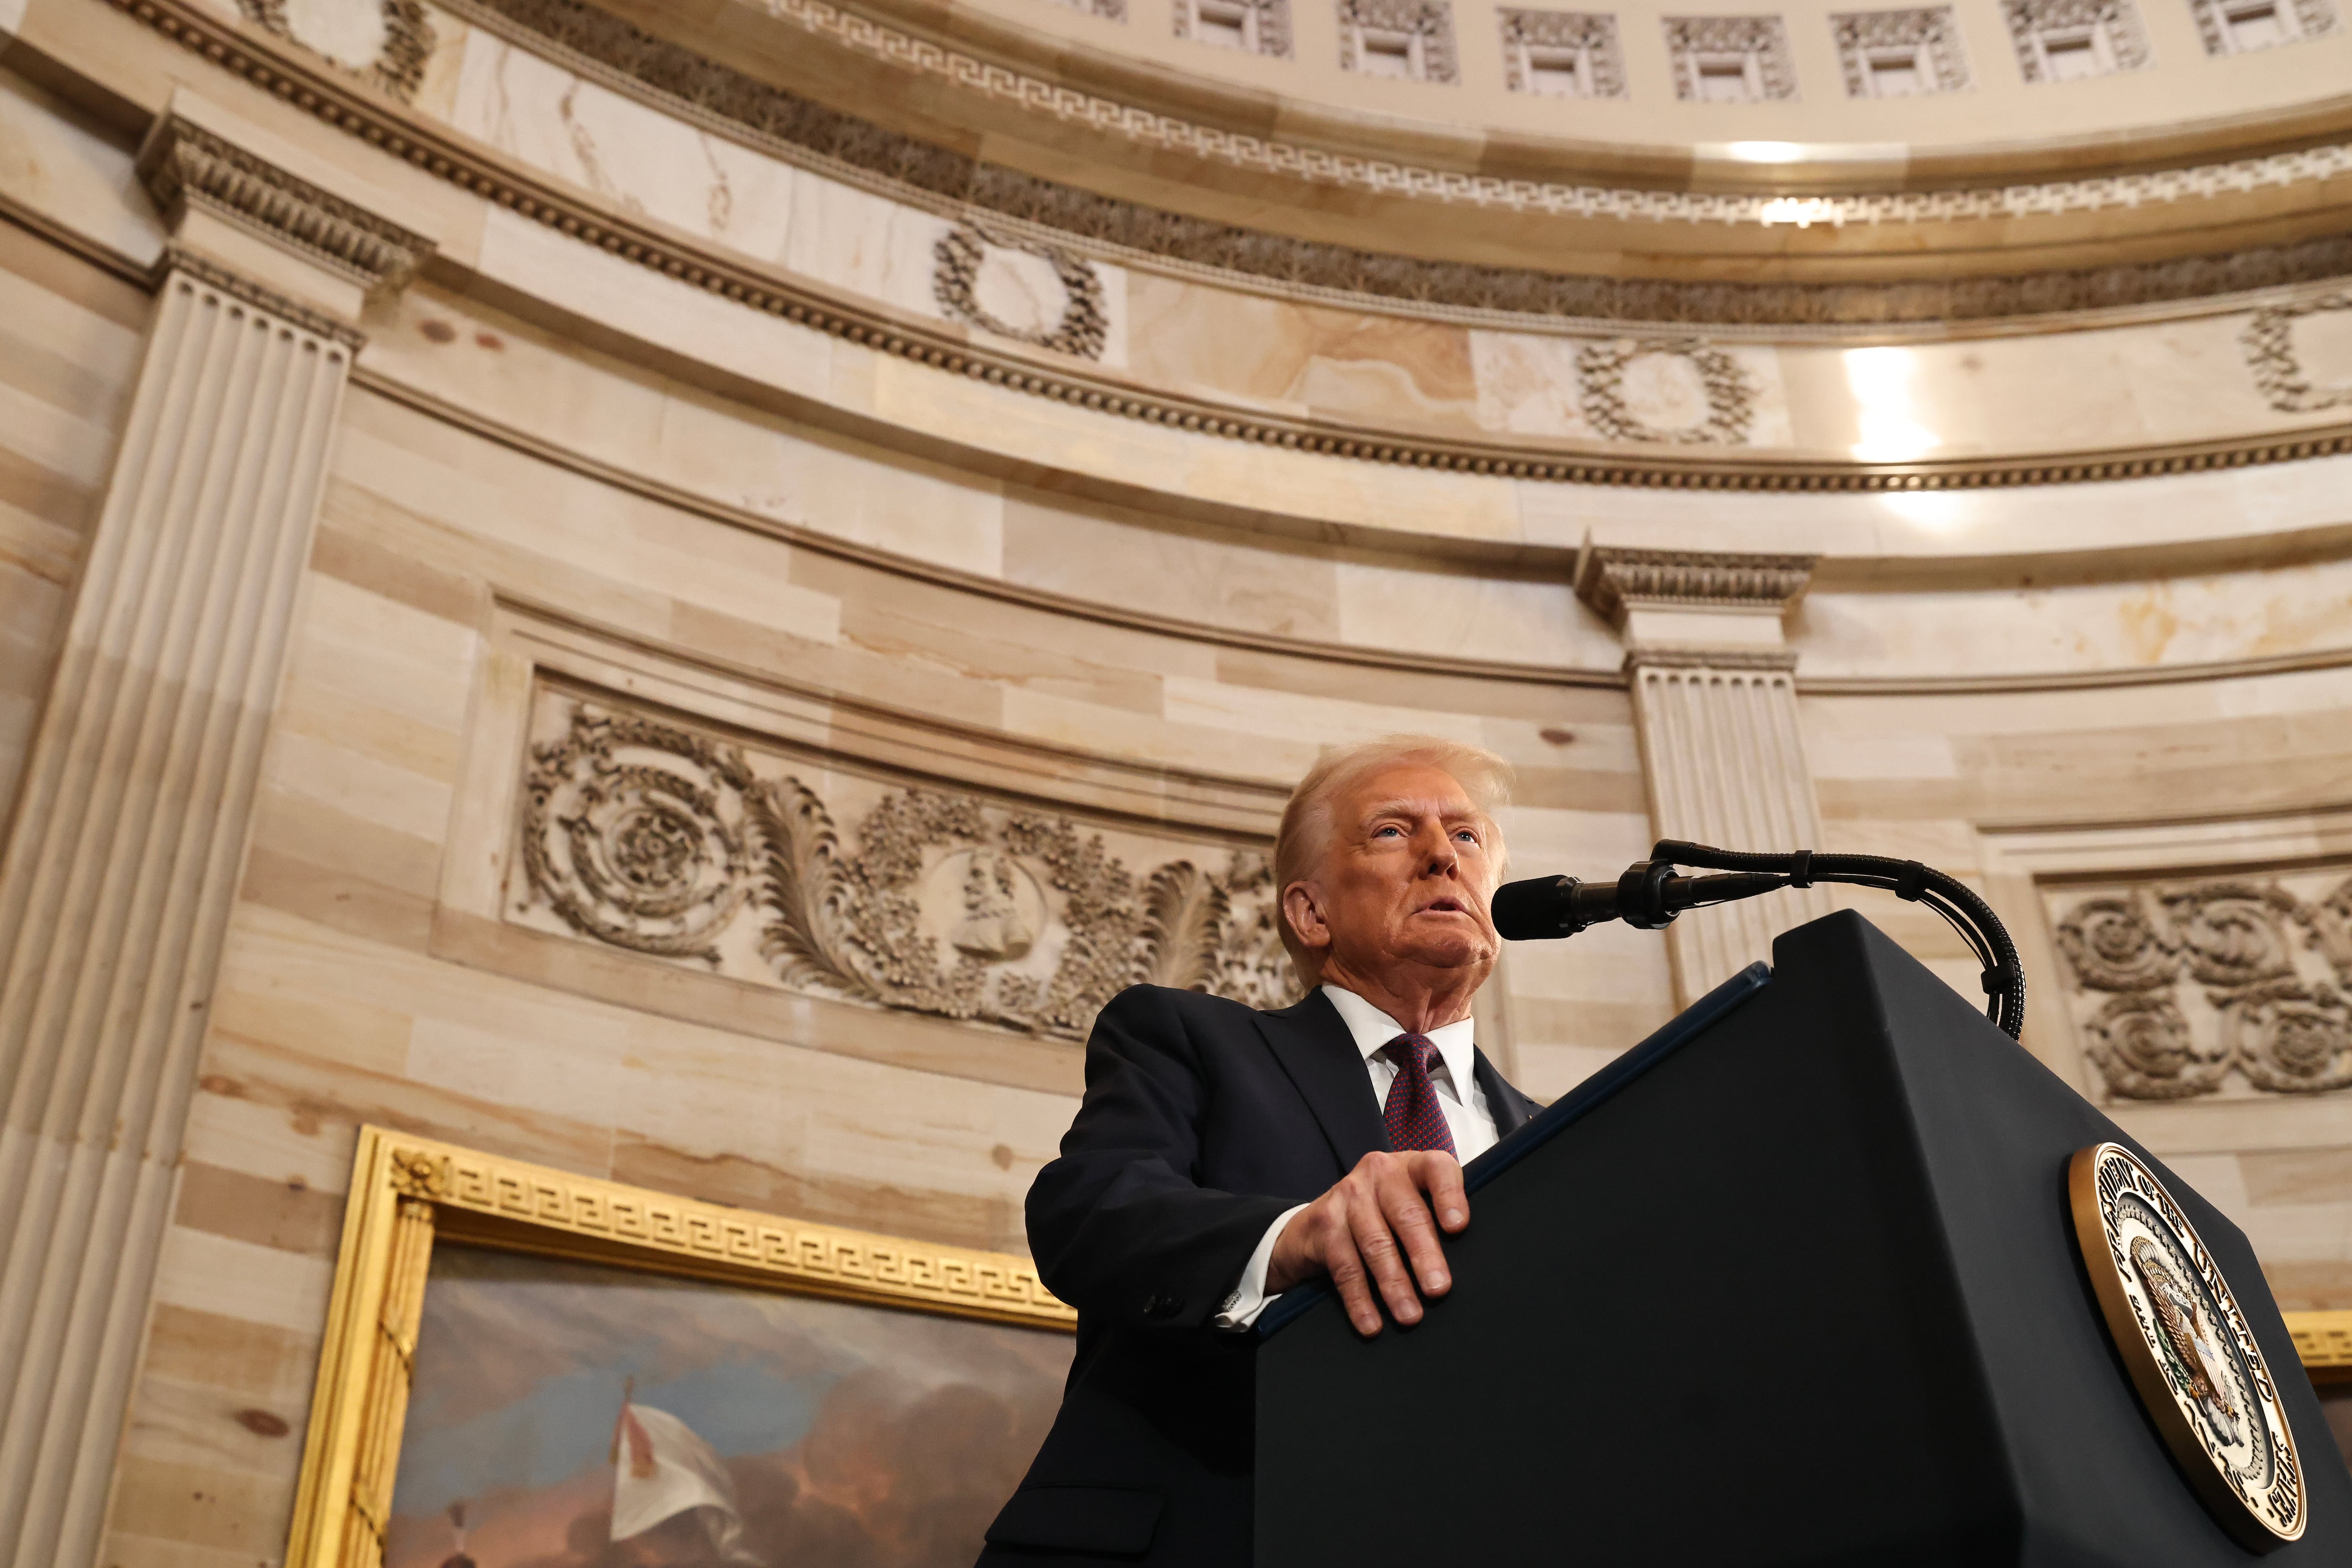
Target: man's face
x,y
1406,881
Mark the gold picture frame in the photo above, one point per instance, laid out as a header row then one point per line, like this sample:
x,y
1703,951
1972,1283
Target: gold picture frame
x,y
408,1192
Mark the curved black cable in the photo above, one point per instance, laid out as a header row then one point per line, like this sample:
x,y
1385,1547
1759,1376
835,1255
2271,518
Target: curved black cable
x,y
2004,977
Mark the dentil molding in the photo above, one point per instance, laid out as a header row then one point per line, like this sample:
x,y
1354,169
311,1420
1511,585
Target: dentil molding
x,y
1613,579
185,165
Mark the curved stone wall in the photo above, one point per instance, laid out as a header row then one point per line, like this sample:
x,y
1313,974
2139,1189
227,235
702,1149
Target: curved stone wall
x,y
978,543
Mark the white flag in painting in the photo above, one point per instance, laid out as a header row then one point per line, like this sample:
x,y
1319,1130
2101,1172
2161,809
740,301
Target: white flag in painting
x,y
662,1468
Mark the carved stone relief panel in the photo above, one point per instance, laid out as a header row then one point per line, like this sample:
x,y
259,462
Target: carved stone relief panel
x,y
1562,54
1018,289
1900,54
2222,984
1676,391
664,839
383,42
1730,59
2279,360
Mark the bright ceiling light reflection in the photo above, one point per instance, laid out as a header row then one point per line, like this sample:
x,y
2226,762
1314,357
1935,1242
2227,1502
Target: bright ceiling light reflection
x,y
1930,511
1803,211
1881,382
1764,152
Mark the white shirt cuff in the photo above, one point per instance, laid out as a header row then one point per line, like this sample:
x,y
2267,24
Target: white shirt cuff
x,y
1249,1297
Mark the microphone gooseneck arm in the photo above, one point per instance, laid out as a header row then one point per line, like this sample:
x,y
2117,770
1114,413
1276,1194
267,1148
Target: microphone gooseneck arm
x,y
1652,893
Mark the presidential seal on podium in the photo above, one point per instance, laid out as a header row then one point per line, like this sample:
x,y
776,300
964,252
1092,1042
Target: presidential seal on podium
x,y
2189,1347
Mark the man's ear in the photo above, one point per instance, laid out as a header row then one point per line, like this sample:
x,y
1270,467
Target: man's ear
x,y
1306,916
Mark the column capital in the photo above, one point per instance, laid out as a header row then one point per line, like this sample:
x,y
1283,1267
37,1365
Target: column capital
x,y
271,222
1615,580
1692,607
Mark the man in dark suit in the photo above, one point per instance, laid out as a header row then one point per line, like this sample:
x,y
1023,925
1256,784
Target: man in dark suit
x,y
1223,1155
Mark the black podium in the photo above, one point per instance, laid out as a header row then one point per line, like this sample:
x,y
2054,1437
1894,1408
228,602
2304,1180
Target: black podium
x,y
1795,1282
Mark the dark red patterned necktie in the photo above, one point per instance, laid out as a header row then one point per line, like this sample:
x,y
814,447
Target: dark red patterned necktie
x,y
1414,1119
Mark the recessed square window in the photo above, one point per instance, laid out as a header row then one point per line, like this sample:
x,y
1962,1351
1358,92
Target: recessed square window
x,y
1730,59
2255,26
2071,58
2072,40
1386,54
1558,73
1900,54
1895,75
1224,26
1561,54
1723,81
1400,40
2242,26
1250,26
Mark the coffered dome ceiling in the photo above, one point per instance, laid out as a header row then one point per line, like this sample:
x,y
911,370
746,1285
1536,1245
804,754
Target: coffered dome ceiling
x,y
1988,158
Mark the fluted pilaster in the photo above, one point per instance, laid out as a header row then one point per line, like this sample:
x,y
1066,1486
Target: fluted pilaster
x,y
1715,703
123,861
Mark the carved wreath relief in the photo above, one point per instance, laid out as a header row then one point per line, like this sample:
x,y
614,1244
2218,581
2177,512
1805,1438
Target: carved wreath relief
x,y
669,841
2178,989
385,43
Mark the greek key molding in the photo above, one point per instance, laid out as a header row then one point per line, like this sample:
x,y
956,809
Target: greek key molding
x,y
2180,989
399,66
1611,579
1760,41
2114,25
2268,342
1927,31
666,840
1593,33
1083,324
182,164
1601,386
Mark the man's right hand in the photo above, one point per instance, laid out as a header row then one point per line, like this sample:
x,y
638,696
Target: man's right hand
x,y
1364,1231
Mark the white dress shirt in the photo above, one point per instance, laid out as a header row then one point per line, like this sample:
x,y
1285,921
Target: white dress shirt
x,y
1458,1096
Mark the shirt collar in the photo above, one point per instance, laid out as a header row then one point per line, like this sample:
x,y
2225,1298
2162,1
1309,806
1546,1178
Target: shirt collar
x,y
1372,1029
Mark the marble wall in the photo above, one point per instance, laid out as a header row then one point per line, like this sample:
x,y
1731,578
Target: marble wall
x,y
563,483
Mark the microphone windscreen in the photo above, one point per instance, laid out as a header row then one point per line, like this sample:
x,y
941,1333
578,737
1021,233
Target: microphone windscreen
x,y
1531,911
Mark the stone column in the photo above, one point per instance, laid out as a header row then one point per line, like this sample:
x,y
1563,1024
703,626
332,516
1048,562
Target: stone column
x,y
1715,703
122,864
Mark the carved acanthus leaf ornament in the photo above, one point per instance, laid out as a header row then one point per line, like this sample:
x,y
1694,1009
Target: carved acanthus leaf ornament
x,y
669,841
2178,988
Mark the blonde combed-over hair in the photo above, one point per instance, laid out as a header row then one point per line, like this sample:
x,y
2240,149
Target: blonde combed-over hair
x,y
1304,835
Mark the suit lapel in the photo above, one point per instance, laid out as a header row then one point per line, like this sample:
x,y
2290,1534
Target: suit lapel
x,y
1313,1048
1510,1108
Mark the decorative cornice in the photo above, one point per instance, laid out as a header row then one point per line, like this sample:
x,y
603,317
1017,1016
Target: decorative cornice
x,y
694,88
1611,579
227,280
183,165
946,347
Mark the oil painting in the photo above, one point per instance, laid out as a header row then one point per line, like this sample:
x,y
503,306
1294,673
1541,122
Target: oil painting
x,y
573,1414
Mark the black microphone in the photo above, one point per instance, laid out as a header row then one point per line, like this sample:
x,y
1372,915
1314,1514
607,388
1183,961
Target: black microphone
x,y
1648,896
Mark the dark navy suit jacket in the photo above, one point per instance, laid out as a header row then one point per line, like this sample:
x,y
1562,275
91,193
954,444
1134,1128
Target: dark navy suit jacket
x,y
1203,1119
